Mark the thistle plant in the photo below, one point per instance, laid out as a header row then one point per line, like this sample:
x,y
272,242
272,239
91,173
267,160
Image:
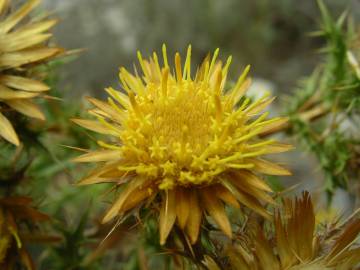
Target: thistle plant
x,y
185,158
15,210
294,240
23,47
183,144
324,111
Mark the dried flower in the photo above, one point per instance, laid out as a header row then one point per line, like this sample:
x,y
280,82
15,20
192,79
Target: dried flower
x,y
14,210
22,47
296,242
183,144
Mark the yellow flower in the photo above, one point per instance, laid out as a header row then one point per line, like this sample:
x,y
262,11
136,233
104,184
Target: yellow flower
x,y
297,244
184,143
22,46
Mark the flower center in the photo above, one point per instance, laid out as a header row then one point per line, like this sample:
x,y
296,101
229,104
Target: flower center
x,y
179,129
184,118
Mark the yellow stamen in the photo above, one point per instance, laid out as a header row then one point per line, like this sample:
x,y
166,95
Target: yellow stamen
x,y
142,64
213,60
178,67
156,61
187,65
226,68
218,108
166,64
217,88
164,81
134,104
240,166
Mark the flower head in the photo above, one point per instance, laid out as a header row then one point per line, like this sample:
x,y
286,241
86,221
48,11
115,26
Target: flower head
x,y
14,212
22,47
297,243
184,142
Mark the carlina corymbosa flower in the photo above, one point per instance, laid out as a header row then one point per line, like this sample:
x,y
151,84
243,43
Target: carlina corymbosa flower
x,y
183,145
23,46
296,242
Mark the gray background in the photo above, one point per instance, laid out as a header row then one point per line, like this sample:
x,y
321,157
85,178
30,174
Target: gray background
x,y
269,35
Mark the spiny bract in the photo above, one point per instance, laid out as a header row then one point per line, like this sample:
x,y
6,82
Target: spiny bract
x,y
296,243
22,47
15,211
183,142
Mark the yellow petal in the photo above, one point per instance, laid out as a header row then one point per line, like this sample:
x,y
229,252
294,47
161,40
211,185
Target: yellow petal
x,y
296,241
94,126
282,122
96,179
99,175
17,16
34,28
239,93
22,83
210,263
267,167
119,97
99,156
260,106
286,255
182,206
167,215
246,186
237,260
265,253
3,5
239,89
13,43
110,111
136,197
246,199
123,196
348,236
6,93
194,219
253,180
225,195
26,107
7,131
99,113
278,148
304,214
216,210
16,59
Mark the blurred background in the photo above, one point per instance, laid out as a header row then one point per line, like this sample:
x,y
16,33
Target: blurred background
x,y
271,36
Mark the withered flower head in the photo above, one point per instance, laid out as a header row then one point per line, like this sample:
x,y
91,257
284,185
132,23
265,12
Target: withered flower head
x,y
22,47
13,237
297,243
187,144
